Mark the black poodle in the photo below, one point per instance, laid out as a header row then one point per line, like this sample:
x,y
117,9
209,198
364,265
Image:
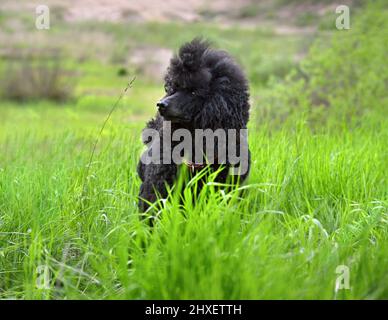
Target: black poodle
x,y
205,89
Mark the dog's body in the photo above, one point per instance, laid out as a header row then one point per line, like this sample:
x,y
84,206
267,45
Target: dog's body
x,y
205,89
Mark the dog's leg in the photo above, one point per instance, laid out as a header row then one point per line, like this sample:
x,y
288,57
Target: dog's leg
x,y
156,178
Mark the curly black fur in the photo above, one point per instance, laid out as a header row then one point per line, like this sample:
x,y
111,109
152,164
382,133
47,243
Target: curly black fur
x,y
207,90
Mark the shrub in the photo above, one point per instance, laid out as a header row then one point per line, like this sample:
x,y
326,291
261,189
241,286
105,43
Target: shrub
x,y
343,80
34,76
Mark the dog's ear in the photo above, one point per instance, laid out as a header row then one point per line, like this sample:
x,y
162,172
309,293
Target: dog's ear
x,y
191,53
218,113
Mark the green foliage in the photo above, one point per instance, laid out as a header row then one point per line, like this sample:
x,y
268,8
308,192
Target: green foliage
x,y
307,19
344,77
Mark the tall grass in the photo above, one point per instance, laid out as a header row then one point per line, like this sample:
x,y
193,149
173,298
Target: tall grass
x,y
344,76
312,202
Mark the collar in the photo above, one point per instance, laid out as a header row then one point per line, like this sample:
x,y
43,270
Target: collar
x,y
194,166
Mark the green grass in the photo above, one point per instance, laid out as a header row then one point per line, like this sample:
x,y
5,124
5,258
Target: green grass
x,y
313,202
316,197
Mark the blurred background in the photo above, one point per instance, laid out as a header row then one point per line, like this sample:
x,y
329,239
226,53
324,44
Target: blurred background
x,y
92,48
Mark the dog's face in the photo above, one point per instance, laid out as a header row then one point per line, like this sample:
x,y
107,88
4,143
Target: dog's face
x,y
179,105
187,85
205,88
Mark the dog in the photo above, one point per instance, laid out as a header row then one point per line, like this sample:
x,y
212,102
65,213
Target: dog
x,y
205,89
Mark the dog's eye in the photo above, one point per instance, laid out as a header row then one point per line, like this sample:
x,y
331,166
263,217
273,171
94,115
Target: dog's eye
x,y
193,93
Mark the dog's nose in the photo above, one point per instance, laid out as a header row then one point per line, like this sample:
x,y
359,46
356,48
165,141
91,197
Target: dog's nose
x,y
162,105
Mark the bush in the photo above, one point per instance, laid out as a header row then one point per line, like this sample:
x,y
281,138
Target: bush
x,y
34,76
344,80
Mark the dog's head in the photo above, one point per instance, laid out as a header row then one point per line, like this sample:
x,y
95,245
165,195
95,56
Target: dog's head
x,y
205,88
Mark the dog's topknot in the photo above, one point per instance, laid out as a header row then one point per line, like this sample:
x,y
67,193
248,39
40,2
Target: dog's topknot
x,y
191,53
198,66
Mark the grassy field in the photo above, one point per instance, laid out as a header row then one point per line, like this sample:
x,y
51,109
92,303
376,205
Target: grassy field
x,y
314,201
316,198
